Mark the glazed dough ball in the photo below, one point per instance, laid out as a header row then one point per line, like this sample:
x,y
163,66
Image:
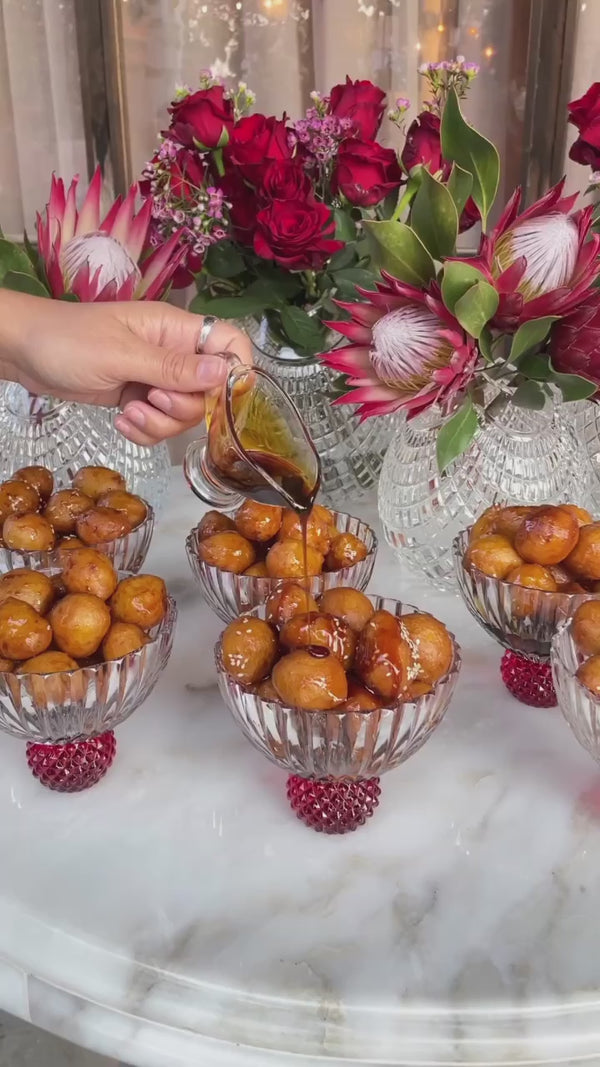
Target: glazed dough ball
x,y
383,657
228,551
133,507
311,679
589,675
23,632
214,522
102,525
33,587
30,532
48,663
584,560
40,478
18,498
249,649
433,644
122,639
348,604
258,522
94,481
547,536
86,570
585,627
493,555
287,602
79,623
346,550
64,508
286,560
314,628
318,528
141,600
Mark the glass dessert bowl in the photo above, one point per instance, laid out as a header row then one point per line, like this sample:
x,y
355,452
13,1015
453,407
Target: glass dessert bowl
x,y
68,717
230,594
334,758
575,669
523,620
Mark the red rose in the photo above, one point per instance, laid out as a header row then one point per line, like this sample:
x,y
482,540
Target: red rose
x,y
365,172
296,234
360,101
205,117
286,179
187,174
423,143
255,142
242,213
585,115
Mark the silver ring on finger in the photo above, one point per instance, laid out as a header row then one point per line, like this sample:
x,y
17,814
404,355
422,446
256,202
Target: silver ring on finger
x,y
210,321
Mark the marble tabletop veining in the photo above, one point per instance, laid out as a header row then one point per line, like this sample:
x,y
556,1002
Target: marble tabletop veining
x,y
178,915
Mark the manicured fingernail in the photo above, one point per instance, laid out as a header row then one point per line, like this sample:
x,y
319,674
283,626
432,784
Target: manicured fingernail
x,y
123,425
161,400
135,415
212,370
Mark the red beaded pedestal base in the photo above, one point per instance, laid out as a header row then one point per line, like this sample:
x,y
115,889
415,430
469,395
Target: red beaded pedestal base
x,y
528,681
75,766
333,806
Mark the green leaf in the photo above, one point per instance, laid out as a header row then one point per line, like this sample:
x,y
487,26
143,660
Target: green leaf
x,y
473,152
433,217
458,277
529,335
303,330
357,276
339,387
345,227
70,298
535,365
460,184
256,298
285,286
346,257
573,386
485,344
476,307
529,395
24,283
32,252
397,249
456,434
224,260
13,259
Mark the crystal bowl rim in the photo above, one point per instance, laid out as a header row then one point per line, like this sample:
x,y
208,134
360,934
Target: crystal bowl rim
x,y
452,672
192,540
457,545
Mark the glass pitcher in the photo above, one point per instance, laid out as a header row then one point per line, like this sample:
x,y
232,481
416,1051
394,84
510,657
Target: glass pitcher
x,y
256,446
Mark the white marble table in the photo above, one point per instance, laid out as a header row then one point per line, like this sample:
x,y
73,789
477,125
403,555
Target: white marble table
x,y
177,915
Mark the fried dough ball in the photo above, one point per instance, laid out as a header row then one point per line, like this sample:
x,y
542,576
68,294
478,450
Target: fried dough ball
x,y
7,666
131,505
64,508
40,478
258,522
32,587
257,570
249,649
530,576
18,498
286,560
314,628
417,689
267,691
485,524
561,576
383,656
318,529
287,602
323,514
23,632
360,698
348,604
589,675
346,550
214,522
585,627
433,644
584,560
48,663
510,519
313,679
228,551
88,571
79,623
95,481
30,532
122,639
547,536
583,517
101,525
141,600
493,555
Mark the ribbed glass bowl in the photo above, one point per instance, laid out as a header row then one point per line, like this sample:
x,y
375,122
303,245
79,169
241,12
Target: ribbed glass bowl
x,y
338,744
126,553
523,620
231,594
580,708
75,705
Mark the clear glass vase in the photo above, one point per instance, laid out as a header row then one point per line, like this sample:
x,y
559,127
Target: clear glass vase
x,y
586,421
65,436
351,453
528,457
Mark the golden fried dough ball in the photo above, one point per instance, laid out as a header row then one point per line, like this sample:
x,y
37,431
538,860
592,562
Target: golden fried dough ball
x,y
585,627
318,529
23,632
214,522
228,551
547,536
433,644
64,508
583,517
584,561
267,691
313,679
101,525
132,506
122,639
493,555
141,600
95,481
257,570
314,628
360,698
485,524
40,478
48,663
288,601
33,587
286,559
249,649
258,522
589,675
383,656
533,576
79,623
510,519
348,604
346,550
18,498
30,532
88,571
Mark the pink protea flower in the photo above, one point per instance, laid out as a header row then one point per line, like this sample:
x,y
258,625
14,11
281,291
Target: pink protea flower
x,y
542,261
575,341
407,351
102,260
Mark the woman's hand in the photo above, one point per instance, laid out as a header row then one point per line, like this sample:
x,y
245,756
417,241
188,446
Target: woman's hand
x,y
138,356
